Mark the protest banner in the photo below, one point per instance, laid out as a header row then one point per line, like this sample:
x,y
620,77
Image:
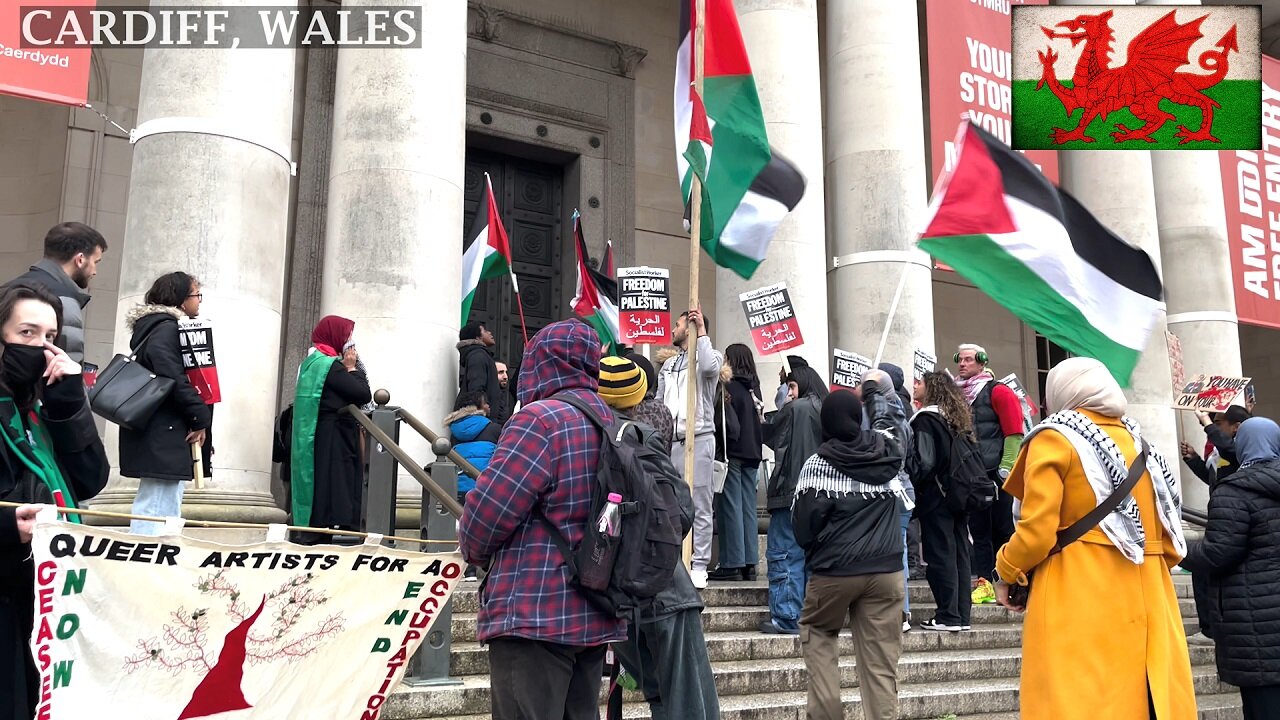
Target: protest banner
x,y
1210,393
644,305
175,627
195,335
924,363
847,369
1176,369
772,319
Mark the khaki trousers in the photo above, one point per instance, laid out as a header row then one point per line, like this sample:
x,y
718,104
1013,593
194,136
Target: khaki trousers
x,y
874,605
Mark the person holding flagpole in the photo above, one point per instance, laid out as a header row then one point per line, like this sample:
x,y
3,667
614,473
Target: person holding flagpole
x,y
673,384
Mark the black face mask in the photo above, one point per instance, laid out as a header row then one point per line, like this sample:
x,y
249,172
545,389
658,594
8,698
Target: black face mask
x,y
21,366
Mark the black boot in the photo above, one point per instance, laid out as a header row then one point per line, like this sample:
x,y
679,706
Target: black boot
x,y
749,573
724,573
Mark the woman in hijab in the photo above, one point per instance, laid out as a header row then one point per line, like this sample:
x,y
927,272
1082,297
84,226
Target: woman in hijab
x,y
1083,659
846,519
325,459
1241,555
794,434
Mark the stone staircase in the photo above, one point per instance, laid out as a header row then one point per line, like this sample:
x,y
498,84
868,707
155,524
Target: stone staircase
x,y
966,676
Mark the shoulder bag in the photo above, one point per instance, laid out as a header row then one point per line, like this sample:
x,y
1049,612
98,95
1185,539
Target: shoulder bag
x,y
720,468
1018,594
127,393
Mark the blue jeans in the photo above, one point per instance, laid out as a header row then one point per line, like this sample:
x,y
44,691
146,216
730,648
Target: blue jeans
x,y
787,575
739,544
156,498
904,515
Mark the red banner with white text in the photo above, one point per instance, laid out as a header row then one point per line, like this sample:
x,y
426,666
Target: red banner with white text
x,y
1251,193
54,74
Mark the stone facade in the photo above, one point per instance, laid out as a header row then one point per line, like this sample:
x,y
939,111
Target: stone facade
x,y
370,225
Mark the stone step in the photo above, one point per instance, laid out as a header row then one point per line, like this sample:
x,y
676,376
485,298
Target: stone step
x,y
469,658
729,618
719,594
917,701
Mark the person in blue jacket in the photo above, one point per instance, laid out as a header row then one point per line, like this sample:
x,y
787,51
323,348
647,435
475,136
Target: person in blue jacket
x,y
473,435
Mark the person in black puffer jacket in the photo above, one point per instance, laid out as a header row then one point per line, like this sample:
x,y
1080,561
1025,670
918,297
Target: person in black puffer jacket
x,y
1241,554
794,434
846,519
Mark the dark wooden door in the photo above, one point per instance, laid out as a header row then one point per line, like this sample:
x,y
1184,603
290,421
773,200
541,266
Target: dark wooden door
x,y
529,200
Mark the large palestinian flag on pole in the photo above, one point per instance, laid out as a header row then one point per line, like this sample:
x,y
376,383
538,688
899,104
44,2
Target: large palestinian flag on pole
x,y
747,188
1038,252
596,299
488,253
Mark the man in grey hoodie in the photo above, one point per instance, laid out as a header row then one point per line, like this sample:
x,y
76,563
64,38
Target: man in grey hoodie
x,y
72,251
673,382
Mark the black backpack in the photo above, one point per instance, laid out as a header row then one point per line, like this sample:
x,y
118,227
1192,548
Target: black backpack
x,y
653,527
965,484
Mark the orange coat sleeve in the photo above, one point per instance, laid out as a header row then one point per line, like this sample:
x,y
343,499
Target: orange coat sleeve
x,y
1037,479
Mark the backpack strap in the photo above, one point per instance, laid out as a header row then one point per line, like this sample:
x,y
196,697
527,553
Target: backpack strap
x,y
1106,507
557,537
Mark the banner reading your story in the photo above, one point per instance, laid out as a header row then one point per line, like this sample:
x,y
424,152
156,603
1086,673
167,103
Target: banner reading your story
x,y
174,628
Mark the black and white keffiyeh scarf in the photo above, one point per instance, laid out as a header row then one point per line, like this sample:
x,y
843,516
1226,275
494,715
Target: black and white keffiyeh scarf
x,y
1106,469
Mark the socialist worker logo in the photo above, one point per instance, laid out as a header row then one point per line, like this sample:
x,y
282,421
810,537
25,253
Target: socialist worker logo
x,y
1136,78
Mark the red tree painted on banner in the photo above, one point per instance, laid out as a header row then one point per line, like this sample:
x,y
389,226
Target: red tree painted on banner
x,y
184,643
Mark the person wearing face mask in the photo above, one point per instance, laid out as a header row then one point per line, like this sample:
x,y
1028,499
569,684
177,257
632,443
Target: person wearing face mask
x,y
159,454
51,453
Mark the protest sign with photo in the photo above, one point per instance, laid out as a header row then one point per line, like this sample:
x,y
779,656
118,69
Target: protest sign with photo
x,y
772,319
174,627
1210,393
195,335
924,363
847,369
644,305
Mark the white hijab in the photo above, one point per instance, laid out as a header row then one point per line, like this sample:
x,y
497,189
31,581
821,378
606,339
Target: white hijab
x,y
1080,383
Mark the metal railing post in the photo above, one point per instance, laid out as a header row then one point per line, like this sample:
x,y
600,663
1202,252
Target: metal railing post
x,y
380,490
430,665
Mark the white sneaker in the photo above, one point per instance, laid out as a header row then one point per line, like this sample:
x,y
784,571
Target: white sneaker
x,y
906,626
699,578
935,626
1200,639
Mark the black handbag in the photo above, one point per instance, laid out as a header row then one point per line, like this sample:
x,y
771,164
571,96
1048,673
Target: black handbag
x,y
127,393
1018,594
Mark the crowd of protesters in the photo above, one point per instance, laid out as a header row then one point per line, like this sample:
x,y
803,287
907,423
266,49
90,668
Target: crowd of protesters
x,y
997,502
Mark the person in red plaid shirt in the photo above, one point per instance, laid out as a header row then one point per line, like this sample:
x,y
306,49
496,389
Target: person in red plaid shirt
x,y
546,641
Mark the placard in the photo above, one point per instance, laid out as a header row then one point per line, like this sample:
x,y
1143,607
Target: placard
x,y
924,363
847,369
1210,393
644,305
1176,369
772,319
195,335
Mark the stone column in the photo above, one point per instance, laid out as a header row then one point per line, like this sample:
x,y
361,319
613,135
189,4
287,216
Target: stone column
x,y
1118,188
209,195
1197,275
876,178
392,258
782,37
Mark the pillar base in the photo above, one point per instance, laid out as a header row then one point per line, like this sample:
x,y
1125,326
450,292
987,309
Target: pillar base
x,y
220,505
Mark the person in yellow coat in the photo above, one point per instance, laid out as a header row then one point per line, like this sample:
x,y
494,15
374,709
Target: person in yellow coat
x,y
1103,635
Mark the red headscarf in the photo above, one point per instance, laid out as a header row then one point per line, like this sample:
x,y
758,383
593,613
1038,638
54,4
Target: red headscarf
x,y
331,333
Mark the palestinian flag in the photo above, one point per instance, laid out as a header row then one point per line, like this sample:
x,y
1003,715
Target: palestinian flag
x,y
747,188
596,298
488,252
1038,252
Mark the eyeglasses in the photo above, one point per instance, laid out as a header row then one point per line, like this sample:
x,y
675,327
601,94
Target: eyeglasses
x,y
196,295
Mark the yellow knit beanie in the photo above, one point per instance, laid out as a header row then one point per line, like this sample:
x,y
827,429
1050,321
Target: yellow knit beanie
x,y
622,384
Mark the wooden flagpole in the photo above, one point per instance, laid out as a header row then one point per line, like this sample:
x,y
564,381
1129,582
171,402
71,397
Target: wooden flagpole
x,y
695,256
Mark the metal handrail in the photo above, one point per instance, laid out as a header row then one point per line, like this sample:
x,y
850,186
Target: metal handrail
x,y
430,436
1195,517
447,501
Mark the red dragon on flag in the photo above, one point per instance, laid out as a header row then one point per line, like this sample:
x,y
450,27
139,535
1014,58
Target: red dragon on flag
x,y
1149,76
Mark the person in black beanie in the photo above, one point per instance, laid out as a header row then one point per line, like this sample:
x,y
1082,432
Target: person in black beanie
x,y
477,368
846,508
